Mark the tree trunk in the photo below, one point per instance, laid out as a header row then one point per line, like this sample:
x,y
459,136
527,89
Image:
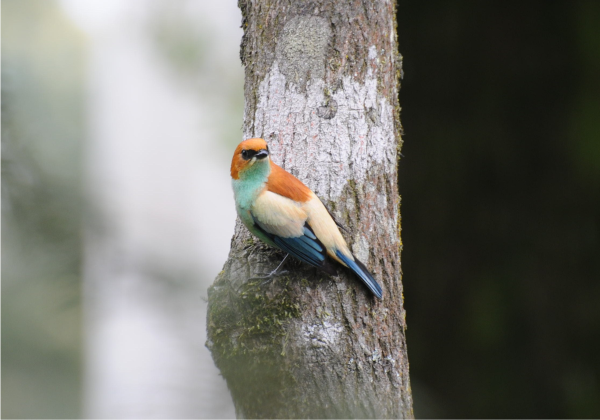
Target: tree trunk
x,y
322,89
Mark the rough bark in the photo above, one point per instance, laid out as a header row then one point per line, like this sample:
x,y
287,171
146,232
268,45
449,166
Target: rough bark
x,y
322,88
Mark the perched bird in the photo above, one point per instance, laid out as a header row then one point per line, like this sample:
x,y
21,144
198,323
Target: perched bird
x,y
283,212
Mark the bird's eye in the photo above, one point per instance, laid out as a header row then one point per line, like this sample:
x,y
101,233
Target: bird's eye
x,y
248,154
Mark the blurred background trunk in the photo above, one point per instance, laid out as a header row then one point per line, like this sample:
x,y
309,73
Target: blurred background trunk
x,y
322,88
151,244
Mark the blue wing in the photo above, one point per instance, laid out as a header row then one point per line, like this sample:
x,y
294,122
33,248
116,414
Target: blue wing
x,y
306,248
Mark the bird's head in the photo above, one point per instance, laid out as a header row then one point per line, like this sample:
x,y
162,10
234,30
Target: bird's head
x,y
250,156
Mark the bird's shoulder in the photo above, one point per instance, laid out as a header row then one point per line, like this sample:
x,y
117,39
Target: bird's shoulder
x,y
287,185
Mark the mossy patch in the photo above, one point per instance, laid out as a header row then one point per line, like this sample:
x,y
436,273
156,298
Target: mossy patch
x,y
247,338
239,321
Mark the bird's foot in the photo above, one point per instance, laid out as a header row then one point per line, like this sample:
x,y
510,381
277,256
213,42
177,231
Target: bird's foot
x,y
268,277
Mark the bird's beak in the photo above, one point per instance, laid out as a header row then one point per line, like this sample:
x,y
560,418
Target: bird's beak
x,y
261,154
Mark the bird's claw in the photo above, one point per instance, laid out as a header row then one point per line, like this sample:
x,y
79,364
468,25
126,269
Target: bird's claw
x,y
268,277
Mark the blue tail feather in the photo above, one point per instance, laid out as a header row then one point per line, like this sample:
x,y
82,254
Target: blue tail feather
x,y
362,272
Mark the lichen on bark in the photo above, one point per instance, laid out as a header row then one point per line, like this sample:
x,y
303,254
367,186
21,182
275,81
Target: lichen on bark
x,y
301,49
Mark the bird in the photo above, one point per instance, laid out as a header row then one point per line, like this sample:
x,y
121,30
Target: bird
x,y
281,211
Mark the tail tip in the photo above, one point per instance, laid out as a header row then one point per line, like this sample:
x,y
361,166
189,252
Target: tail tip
x,y
363,273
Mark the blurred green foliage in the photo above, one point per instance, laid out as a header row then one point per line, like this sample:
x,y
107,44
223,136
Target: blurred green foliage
x,y
500,189
194,53
42,129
